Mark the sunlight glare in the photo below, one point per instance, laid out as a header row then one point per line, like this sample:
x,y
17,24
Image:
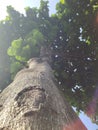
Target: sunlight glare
x,y
18,5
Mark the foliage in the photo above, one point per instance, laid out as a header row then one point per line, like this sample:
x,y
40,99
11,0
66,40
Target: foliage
x,y
22,50
76,50
62,1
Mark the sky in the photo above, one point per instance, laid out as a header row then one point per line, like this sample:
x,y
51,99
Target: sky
x,y
87,122
19,5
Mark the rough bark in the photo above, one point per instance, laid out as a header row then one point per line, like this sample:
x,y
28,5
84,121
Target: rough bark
x,y
33,102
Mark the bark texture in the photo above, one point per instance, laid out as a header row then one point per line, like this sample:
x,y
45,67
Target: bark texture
x,y
33,102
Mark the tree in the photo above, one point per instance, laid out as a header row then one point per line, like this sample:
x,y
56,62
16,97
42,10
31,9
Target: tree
x,y
32,100
64,40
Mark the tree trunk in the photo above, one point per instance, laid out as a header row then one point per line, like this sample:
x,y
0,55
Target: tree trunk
x,y
33,102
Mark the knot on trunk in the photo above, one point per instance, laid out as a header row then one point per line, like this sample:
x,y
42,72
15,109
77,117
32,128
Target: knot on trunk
x,y
31,99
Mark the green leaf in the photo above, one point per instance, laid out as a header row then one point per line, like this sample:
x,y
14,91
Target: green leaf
x,y
62,1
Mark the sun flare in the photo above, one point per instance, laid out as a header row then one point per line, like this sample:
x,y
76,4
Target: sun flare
x,y
18,5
